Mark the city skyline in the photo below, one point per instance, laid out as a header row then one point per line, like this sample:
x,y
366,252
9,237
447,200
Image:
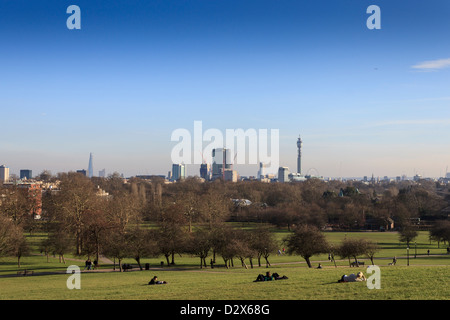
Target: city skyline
x,y
196,170
364,101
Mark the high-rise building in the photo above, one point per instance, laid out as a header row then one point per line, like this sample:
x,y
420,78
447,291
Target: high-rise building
x,y
4,174
262,171
91,166
221,158
178,172
26,174
102,173
299,156
205,171
283,174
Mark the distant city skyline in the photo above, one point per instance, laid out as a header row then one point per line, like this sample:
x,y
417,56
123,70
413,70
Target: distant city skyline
x,y
364,101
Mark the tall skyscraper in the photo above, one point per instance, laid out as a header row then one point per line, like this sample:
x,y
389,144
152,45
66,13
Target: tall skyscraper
x,y
205,171
221,158
4,174
299,157
91,166
178,172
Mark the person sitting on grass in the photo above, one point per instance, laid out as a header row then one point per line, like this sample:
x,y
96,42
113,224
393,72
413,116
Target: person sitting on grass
x,y
353,277
155,281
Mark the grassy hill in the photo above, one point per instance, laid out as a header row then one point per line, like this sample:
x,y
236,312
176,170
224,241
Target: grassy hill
x,y
426,277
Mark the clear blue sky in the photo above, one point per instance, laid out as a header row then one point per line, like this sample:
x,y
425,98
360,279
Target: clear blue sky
x,y
364,101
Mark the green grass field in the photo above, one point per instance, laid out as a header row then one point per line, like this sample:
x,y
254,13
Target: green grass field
x,y
426,278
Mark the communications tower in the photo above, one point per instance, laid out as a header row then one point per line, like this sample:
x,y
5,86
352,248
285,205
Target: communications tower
x,y
299,157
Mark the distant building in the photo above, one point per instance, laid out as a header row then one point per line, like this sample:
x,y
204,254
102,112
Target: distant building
x,y
221,158
205,171
295,176
102,173
91,166
4,174
83,172
283,174
230,175
178,172
26,174
262,171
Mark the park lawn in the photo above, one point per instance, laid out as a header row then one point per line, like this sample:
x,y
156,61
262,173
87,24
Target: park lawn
x,y
427,276
397,283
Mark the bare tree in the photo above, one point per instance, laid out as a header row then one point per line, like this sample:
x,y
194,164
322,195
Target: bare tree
x,y
115,245
73,202
200,245
214,206
407,234
263,243
59,241
441,231
19,246
12,239
352,248
142,244
17,204
171,236
306,241
371,249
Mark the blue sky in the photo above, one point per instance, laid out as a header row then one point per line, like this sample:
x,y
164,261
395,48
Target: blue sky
x,y
364,101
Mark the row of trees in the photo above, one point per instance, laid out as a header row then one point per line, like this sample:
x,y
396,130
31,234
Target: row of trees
x,y
307,241
141,219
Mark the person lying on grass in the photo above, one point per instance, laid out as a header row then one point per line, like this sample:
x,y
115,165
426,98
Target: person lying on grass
x,y
155,281
353,277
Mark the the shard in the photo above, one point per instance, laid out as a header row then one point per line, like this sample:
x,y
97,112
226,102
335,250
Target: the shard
x,y
91,166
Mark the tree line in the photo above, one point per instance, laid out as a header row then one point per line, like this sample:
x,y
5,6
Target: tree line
x,y
142,219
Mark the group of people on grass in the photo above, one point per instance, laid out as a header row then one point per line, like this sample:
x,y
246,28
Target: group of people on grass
x,y
269,277
88,264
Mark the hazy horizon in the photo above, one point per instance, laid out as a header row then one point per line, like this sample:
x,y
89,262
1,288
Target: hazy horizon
x,y
364,101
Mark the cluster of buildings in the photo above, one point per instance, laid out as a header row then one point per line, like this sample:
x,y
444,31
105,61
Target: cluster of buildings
x,y
25,174
222,168
31,189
